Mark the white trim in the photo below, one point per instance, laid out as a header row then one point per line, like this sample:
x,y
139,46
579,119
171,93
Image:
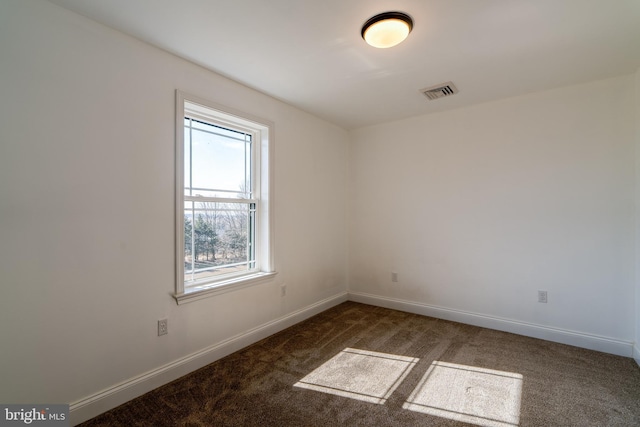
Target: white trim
x,y
578,339
636,353
219,200
97,403
222,287
179,196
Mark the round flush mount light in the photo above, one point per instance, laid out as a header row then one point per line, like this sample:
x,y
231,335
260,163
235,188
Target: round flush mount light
x,y
387,29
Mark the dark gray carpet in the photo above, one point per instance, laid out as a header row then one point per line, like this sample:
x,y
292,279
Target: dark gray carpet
x,y
359,365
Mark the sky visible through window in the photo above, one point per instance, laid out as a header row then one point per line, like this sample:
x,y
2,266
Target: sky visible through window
x,y
216,159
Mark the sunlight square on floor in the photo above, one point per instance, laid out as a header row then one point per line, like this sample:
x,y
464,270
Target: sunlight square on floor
x,y
469,394
360,374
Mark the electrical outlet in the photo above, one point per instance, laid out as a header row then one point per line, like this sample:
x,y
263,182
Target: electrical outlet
x,y
394,276
283,290
163,327
542,296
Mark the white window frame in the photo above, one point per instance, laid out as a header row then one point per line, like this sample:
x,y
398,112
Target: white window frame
x,y
263,134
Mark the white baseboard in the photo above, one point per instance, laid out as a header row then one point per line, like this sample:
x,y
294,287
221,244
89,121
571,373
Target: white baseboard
x,y
636,353
578,339
118,394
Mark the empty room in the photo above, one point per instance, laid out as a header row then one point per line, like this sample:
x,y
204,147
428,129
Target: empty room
x,y
320,213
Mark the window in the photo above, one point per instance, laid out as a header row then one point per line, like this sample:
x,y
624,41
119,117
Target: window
x,y
223,219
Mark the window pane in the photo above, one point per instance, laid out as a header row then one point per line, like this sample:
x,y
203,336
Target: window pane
x,y
219,239
187,160
219,161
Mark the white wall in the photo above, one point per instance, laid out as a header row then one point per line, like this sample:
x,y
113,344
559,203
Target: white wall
x,y
87,209
636,352
477,209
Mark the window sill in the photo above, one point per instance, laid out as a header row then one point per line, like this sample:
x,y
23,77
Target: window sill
x,y
218,288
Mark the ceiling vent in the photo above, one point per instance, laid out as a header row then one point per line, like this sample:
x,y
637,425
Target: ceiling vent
x,y
440,91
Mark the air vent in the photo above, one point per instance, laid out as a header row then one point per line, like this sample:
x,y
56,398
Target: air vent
x,y
440,91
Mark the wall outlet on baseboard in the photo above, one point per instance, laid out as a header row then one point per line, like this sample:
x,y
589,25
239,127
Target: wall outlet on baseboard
x,y
163,327
283,290
394,276
542,296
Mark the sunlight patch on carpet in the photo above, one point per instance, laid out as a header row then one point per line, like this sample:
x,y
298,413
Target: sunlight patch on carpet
x,y
479,396
360,374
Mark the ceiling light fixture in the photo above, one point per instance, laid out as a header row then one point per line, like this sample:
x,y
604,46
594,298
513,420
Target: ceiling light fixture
x,y
387,29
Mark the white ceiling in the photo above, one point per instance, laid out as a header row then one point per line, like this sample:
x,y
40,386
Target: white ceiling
x,y
310,53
